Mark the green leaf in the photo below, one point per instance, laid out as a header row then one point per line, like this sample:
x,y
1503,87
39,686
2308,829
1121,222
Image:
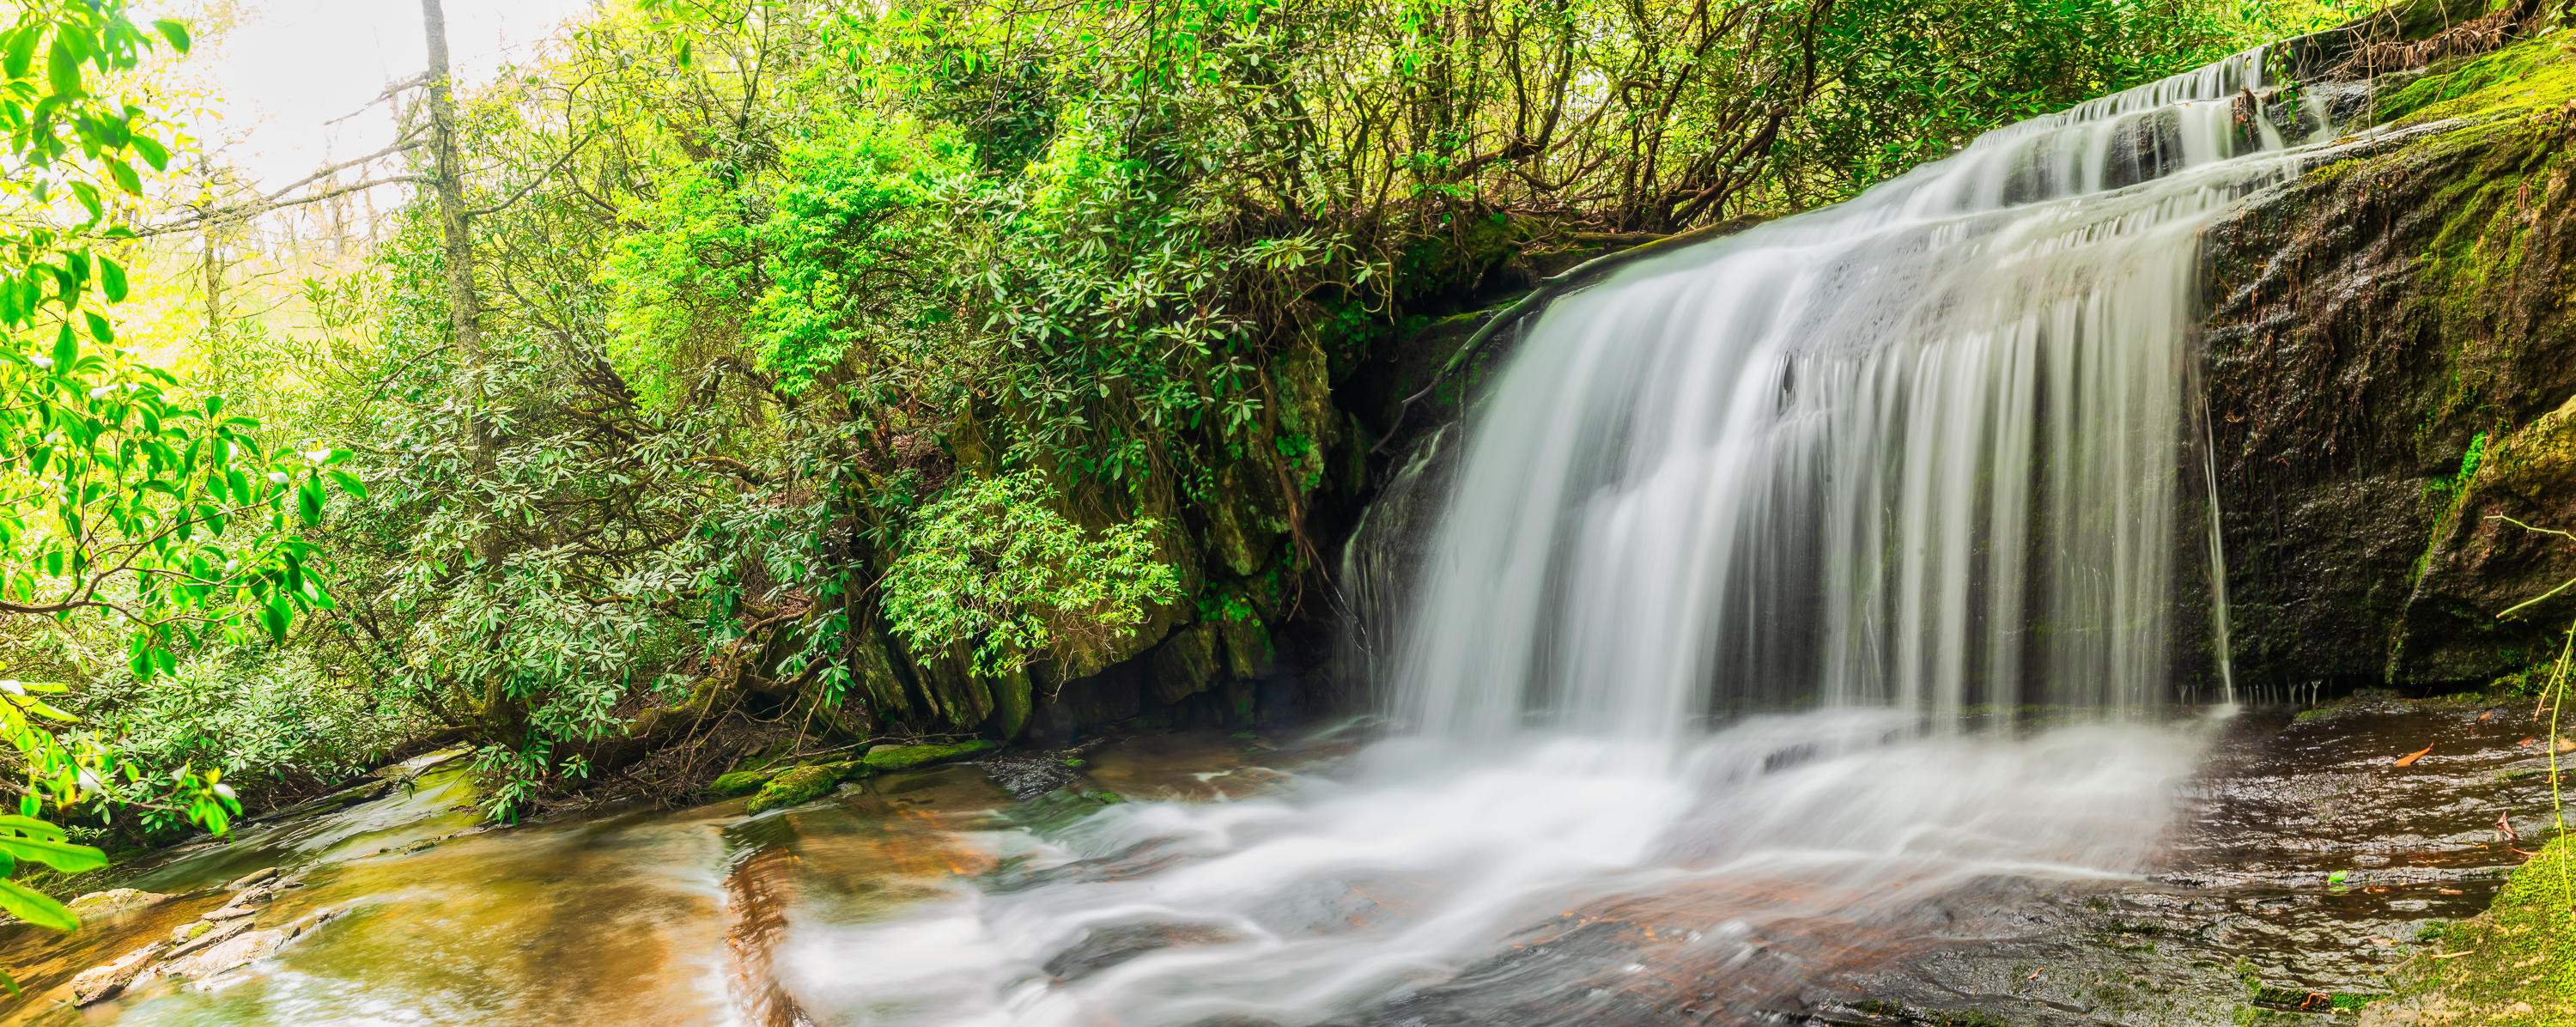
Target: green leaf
x,y
153,152
276,616
308,500
349,484
31,826
21,54
62,65
111,277
36,907
175,32
99,328
126,179
68,858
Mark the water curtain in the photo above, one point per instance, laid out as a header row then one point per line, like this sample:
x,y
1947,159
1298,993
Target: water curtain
x,y
1933,448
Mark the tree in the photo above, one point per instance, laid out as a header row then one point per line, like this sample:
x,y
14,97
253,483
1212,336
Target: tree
x,y
117,498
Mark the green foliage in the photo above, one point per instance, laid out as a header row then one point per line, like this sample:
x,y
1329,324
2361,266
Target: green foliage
x,y
994,565
117,499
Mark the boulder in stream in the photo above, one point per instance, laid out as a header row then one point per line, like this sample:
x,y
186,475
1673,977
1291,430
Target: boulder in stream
x,y
244,948
212,933
800,785
112,900
102,981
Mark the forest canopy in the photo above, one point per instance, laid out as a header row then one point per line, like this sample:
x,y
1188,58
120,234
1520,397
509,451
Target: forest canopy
x,y
847,370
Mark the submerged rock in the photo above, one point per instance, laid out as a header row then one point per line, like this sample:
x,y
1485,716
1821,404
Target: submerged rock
x,y
254,877
103,981
114,899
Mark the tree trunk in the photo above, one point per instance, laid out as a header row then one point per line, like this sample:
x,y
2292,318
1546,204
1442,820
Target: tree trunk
x,y
455,219
465,332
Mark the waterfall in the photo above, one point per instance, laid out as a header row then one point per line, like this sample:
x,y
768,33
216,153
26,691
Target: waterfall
x,y
1929,448
1667,616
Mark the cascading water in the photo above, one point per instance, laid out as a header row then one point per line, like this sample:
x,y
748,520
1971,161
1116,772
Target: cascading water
x,y
1923,448
1919,452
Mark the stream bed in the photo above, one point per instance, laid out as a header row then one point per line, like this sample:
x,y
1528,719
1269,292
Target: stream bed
x,y
938,896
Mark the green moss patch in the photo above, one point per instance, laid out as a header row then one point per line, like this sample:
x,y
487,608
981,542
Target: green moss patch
x,y
2512,966
740,781
2535,73
907,757
799,786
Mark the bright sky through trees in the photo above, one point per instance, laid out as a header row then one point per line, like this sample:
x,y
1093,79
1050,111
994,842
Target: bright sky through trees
x,y
288,67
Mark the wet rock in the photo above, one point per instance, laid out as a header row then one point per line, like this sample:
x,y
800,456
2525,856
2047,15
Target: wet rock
x,y
100,982
212,933
114,899
239,950
254,877
907,757
740,781
1028,774
244,904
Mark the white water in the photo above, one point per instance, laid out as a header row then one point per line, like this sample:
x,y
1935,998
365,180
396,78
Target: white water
x,y
1921,452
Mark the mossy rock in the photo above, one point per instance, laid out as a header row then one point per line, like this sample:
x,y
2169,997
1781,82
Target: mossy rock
x,y
906,757
740,781
2511,966
799,786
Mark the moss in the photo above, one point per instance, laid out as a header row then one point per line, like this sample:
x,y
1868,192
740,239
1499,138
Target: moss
x,y
740,781
908,756
2532,73
798,786
2512,966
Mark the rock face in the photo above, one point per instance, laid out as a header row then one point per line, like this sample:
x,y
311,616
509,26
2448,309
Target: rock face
x,y
2392,359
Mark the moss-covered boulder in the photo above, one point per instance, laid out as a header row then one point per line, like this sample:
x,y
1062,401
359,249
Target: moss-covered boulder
x,y
906,757
740,781
799,786
2511,966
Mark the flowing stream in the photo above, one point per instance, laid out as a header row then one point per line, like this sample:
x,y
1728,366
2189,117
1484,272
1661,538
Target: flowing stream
x,y
1789,590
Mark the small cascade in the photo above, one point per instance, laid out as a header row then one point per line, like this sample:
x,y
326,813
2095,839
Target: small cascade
x,y
1933,448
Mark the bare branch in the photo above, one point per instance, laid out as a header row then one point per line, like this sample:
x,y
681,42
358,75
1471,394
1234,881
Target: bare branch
x,y
248,209
540,177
